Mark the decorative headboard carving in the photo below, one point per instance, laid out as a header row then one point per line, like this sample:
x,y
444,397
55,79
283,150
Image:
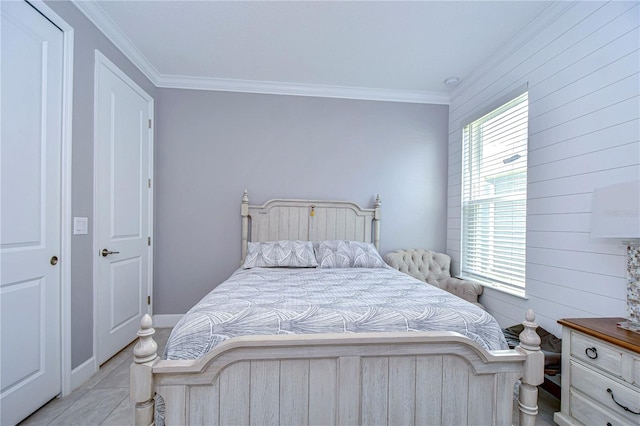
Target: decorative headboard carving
x,y
309,220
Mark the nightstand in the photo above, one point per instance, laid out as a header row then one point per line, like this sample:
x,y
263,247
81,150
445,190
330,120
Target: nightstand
x,y
600,373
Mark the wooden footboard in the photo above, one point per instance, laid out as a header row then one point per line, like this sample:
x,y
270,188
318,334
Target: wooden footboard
x,y
347,379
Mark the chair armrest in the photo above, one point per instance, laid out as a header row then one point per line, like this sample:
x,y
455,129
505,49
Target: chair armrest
x,y
467,290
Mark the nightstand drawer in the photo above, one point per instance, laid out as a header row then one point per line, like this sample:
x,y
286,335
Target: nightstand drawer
x,y
588,413
604,390
594,352
601,373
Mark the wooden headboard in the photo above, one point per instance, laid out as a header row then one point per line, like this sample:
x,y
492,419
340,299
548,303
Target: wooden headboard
x,y
309,220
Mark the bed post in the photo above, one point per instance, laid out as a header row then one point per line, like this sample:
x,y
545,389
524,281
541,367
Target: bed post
x,y
377,215
533,371
244,212
141,374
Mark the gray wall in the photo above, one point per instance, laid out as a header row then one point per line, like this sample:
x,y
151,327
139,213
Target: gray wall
x,y
87,39
211,146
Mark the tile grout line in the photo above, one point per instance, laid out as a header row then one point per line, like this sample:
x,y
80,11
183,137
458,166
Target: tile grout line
x,y
114,409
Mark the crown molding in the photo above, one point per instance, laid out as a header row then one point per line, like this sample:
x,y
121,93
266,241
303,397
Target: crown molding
x,y
105,24
297,89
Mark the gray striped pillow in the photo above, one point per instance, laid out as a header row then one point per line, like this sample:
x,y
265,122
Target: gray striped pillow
x,y
348,254
280,254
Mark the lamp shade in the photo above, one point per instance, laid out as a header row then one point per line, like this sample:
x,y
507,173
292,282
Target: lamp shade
x,y
615,211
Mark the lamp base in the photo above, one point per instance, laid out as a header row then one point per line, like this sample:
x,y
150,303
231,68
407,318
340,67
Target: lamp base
x,y
631,326
633,287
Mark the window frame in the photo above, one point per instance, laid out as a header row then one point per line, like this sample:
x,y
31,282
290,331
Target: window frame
x,y
470,196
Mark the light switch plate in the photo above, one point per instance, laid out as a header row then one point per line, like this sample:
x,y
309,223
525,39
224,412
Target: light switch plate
x,y
80,225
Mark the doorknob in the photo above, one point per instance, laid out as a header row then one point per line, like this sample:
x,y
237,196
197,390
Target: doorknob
x,y
106,252
54,260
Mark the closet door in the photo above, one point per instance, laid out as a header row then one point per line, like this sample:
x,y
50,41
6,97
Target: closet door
x,y
123,215
30,234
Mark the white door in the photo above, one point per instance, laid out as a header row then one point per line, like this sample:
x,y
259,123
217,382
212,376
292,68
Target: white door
x,y
30,236
123,206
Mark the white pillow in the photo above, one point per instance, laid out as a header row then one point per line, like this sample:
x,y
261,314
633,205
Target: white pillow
x,y
348,254
280,254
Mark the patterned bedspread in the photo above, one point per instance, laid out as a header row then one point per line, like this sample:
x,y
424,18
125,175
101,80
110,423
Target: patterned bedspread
x,y
263,301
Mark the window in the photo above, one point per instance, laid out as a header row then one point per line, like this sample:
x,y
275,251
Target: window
x,y
494,196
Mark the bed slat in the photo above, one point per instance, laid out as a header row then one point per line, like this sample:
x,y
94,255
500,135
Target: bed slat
x,y
235,387
349,390
402,384
265,393
481,391
294,392
455,378
428,378
322,391
375,383
204,403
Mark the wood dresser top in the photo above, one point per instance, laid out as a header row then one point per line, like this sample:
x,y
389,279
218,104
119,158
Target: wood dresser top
x,y
605,329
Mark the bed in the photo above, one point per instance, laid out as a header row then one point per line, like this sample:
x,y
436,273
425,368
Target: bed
x,y
314,329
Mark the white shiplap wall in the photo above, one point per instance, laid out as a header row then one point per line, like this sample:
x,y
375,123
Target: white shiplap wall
x,y
581,62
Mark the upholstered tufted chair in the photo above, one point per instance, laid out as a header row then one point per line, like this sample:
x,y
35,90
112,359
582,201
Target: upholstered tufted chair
x,y
433,268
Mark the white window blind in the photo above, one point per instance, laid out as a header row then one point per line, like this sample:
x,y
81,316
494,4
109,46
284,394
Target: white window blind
x,y
494,196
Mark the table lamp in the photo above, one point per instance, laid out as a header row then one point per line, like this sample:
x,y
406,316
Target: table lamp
x,y
615,214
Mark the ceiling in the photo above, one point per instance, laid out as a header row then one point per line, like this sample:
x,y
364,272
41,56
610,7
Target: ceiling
x,y
393,50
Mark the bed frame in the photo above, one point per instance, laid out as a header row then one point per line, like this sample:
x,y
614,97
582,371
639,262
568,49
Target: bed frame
x,y
370,378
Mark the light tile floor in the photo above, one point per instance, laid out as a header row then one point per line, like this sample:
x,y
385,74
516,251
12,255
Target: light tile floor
x,y
104,398
101,400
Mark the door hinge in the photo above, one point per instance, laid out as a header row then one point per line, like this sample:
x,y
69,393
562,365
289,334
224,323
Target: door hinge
x,y
149,123
149,182
148,241
148,300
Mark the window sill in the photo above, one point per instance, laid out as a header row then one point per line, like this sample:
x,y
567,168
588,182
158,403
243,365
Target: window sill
x,y
519,293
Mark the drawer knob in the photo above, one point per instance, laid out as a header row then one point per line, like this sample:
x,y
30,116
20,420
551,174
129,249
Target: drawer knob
x,y
591,353
620,405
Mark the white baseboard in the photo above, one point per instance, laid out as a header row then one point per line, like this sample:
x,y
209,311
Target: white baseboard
x,y
83,372
166,320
